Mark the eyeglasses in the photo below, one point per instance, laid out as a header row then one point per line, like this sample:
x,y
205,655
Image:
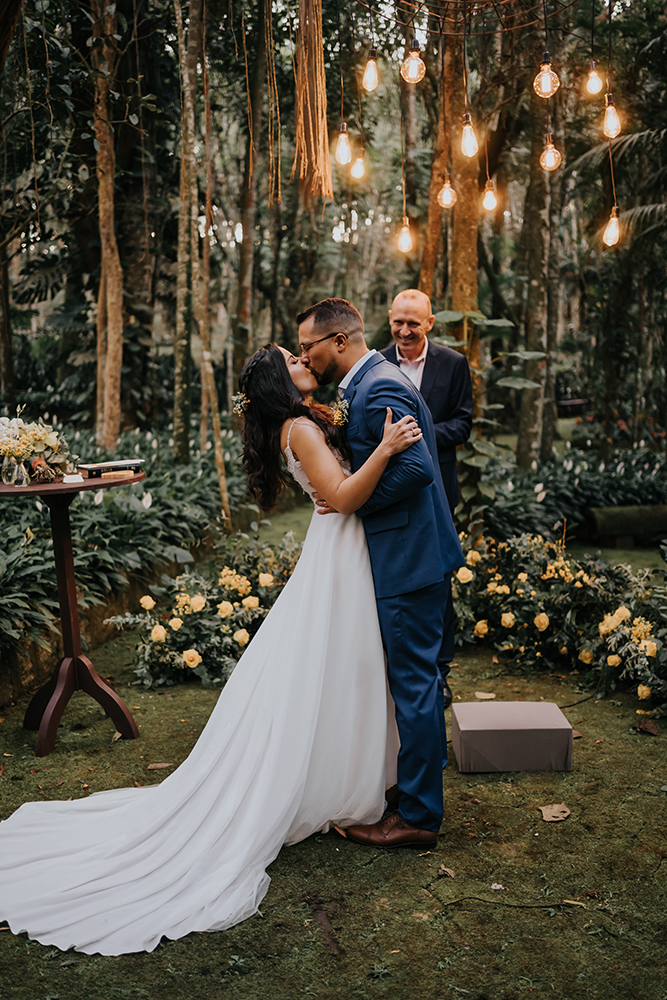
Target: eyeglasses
x,y
306,348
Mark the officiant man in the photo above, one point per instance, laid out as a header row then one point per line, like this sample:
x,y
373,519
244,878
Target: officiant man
x,y
442,376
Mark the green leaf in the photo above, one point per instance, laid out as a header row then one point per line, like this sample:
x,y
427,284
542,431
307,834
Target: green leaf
x,y
487,490
468,492
486,448
448,316
498,323
524,355
515,382
478,461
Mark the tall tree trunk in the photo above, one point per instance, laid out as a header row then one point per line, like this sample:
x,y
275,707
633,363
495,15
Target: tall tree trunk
x,y
242,322
188,249
535,233
7,381
554,295
433,230
101,357
208,387
104,58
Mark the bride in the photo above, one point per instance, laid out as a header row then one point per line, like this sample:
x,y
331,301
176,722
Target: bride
x,y
298,740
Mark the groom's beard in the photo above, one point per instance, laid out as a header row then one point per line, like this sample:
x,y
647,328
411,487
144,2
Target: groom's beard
x,y
326,377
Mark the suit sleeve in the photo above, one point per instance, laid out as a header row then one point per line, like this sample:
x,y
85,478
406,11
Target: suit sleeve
x,y
408,472
456,428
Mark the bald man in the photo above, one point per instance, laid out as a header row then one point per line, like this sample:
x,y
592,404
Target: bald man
x,y
443,378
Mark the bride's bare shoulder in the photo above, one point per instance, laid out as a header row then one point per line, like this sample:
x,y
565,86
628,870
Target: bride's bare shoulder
x,y
298,429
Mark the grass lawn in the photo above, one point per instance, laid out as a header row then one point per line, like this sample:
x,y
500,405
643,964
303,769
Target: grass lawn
x,y
581,911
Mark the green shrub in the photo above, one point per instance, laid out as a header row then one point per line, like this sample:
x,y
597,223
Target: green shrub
x,y
543,609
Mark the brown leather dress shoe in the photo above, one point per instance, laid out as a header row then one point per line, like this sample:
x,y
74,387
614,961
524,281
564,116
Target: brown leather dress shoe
x,y
392,831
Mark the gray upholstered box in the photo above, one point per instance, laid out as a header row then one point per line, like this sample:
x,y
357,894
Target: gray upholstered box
x,y
511,736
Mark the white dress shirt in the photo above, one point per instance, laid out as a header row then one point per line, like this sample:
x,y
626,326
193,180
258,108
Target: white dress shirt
x,y
413,369
344,382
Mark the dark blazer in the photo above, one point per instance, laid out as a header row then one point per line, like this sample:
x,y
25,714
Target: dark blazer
x,y
447,390
411,536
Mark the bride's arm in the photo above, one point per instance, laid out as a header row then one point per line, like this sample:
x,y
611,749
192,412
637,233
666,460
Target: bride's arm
x,y
346,493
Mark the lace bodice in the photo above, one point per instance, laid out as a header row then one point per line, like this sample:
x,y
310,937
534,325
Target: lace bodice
x,y
295,468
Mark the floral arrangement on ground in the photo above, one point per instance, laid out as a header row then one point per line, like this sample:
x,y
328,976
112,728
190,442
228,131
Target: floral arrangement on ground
x,y
543,609
198,627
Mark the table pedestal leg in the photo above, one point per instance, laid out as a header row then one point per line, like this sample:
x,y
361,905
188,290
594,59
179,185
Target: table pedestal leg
x,y
73,673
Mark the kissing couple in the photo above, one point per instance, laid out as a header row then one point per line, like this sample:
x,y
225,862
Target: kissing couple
x,y
310,730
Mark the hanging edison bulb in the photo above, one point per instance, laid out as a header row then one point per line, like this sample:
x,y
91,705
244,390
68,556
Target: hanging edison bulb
x,y
343,152
489,201
594,81
613,229
414,68
358,167
469,145
446,194
612,123
546,83
550,158
370,79
404,238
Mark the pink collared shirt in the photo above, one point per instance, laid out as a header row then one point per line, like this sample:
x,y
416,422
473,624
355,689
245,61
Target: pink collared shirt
x,y
413,369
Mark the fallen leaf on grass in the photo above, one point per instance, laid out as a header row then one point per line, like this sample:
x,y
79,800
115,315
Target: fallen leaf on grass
x,y
69,961
442,870
156,767
137,785
576,735
116,736
395,951
2,769
554,812
495,659
574,902
599,741
484,695
647,726
497,885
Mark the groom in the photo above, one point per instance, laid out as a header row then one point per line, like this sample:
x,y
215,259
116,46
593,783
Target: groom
x,y
413,549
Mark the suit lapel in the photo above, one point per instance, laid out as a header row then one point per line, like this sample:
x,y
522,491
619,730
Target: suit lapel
x,y
428,377
351,390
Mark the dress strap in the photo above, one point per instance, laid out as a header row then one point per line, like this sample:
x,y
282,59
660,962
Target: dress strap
x,y
289,433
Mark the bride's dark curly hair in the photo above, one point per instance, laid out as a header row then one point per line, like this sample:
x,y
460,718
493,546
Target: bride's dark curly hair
x,y
273,399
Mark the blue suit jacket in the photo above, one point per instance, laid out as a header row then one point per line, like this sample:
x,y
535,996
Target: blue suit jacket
x,y
411,536
447,391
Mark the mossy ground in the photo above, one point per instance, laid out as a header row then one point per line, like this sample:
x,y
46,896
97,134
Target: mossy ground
x,y
343,921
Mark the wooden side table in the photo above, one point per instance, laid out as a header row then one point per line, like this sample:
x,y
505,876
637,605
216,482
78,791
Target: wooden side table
x,y
74,671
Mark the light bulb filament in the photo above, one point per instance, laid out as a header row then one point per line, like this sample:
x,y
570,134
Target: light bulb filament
x,y
371,79
546,83
413,69
594,81
613,229
446,194
550,158
612,123
469,145
343,152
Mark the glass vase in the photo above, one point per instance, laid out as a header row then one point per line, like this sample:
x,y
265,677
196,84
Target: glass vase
x,y
21,476
8,470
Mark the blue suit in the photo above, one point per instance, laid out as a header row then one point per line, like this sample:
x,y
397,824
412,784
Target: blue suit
x,y
413,549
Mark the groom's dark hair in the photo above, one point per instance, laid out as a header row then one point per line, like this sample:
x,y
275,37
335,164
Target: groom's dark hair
x,y
334,314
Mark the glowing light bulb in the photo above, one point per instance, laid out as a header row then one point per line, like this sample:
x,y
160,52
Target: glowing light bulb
x,y
446,194
613,229
343,152
550,158
414,68
546,83
469,145
405,239
370,79
358,167
612,123
489,201
594,81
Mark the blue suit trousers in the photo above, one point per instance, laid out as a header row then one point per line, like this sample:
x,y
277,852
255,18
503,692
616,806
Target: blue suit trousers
x,y
411,626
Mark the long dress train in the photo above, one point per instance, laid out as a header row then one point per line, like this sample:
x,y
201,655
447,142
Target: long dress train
x,y
296,741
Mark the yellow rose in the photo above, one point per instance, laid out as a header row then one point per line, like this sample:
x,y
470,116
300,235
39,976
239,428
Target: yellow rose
x,y
622,613
192,658
225,609
562,650
158,633
492,586
464,575
197,602
608,624
541,621
649,647
265,579
614,660
578,583
503,589
520,591
175,623
523,577
643,692
250,602
507,619
241,636
586,656
473,557
482,627
147,603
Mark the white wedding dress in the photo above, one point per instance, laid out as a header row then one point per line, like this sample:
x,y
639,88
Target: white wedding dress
x,y
297,741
